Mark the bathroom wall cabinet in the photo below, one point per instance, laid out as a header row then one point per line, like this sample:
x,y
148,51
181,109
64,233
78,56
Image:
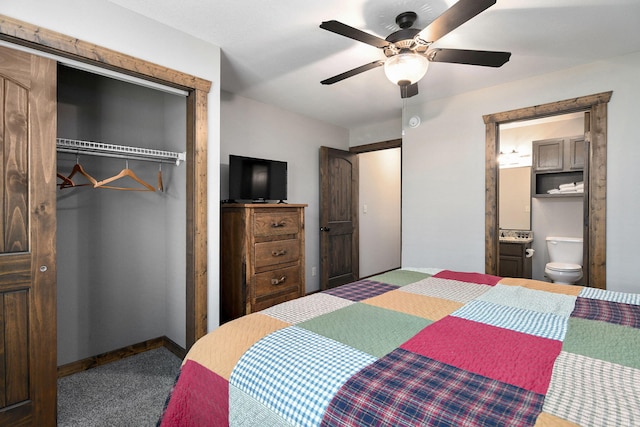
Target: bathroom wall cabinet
x,y
514,261
557,161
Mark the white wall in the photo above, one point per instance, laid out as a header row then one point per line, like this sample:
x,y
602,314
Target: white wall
x,y
251,128
108,25
380,208
443,167
377,132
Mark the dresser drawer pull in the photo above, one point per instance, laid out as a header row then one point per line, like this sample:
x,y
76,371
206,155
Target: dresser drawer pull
x,y
279,253
278,281
278,224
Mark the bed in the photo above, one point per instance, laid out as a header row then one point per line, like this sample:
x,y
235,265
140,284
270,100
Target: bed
x,y
421,347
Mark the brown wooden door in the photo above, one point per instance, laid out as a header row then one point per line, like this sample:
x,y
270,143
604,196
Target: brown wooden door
x,y
27,240
339,252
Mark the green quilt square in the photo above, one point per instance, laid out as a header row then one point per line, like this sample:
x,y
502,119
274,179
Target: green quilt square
x,y
604,341
400,277
373,330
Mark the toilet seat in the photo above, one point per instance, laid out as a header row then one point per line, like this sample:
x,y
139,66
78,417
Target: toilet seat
x,y
563,266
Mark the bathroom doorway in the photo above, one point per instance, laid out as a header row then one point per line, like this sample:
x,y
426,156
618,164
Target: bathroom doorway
x,y
520,208
595,178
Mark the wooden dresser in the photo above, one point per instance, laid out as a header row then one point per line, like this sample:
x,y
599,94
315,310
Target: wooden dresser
x,y
261,256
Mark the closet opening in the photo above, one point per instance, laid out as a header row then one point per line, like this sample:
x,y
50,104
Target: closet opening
x,y
33,54
121,253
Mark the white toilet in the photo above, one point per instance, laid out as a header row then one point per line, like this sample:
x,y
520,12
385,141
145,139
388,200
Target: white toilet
x,y
565,255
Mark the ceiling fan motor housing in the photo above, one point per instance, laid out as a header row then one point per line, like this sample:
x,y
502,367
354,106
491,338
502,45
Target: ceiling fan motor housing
x,y
402,39
406,19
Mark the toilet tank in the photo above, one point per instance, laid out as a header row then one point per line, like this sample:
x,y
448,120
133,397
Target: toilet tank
x,y
565,249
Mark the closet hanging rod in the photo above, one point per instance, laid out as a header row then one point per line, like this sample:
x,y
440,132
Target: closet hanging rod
x,y
92,148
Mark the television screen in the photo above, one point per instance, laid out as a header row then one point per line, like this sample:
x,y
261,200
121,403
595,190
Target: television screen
x,y
257,179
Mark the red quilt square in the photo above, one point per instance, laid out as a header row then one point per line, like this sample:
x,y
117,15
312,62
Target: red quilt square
x,y
515,358
200,398
480,278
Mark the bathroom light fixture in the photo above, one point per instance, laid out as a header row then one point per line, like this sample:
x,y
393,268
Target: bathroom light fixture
x,y
406,68
508,159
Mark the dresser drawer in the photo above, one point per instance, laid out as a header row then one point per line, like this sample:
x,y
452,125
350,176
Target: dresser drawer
x,y
277,252
270,301
275,223
277,281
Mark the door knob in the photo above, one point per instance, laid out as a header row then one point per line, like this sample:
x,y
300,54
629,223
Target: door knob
x,y
327,229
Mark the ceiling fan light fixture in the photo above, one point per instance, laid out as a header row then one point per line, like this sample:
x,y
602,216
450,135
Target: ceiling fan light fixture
x,y
406,67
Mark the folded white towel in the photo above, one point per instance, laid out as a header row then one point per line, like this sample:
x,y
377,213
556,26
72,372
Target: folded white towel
x,y
581,185
564,186
567,190
553,191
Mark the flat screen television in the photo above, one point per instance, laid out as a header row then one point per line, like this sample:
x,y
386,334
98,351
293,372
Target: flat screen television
x,y
258,180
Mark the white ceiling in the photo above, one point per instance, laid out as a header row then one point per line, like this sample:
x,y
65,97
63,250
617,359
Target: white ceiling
x,y
273,50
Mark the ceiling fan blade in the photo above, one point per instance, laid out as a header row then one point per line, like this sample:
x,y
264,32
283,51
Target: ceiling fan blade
x,y
472,57
350,73
408,91
453,17
353,33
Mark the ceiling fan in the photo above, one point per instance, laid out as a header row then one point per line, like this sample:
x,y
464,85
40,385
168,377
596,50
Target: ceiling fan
x,y
408,51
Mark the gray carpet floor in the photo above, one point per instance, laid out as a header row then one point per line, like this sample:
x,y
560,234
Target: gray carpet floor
x,y
129,392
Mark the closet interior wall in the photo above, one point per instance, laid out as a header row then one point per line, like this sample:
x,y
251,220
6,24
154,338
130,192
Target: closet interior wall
x,y
121,254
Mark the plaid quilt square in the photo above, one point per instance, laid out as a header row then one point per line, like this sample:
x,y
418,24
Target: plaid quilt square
x,y
481,349
530,299
545,325
245,411
607,311
446,289
586,391
623,297
295,373
301,309
360,290
406,389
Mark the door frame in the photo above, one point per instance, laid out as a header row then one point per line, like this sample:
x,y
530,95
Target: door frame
x,y
44,40
376,146
359,149
381,146
596,106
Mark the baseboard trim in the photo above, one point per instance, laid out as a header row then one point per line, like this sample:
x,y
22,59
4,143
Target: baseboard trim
x,y
112,356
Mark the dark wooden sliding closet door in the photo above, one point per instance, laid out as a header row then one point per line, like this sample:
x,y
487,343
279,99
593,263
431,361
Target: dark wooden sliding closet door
x,y
27,240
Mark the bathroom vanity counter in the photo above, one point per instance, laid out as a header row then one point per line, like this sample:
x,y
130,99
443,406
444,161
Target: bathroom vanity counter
x,y
510,239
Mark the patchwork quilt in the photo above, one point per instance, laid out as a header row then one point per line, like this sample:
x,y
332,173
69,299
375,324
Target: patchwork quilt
x,y
421,347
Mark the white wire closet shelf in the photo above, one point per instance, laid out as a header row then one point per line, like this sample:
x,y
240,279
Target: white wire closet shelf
x,y
64,145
